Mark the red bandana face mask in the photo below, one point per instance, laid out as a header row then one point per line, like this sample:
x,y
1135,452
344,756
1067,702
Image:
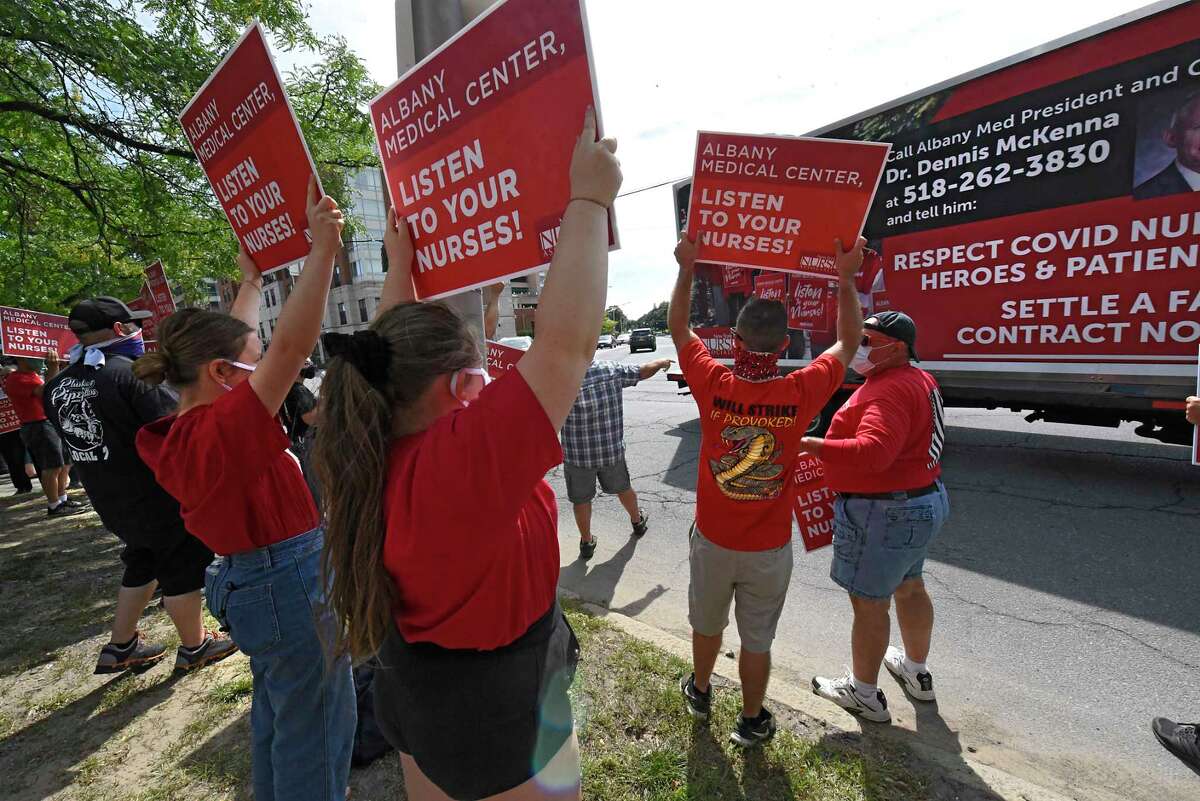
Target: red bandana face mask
x,y
755,366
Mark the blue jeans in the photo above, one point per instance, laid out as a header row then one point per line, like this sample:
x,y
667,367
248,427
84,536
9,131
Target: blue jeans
x,y
304,712
880,544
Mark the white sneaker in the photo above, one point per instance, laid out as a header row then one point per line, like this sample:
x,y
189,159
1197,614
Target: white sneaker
x,y
918,685
841,692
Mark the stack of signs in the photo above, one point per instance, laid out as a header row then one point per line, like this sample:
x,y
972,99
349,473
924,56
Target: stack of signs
x,y
8,415
778,202
501,358
32,334
771,286
156,298
809,303
476,143
814,503
244,132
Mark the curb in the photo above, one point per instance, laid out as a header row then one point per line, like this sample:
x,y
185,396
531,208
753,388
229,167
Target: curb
x,y
1001,783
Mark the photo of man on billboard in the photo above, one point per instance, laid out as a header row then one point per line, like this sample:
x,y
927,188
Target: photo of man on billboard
x,y
1180,139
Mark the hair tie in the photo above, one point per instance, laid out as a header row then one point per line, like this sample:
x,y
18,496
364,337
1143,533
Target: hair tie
x,y
368,352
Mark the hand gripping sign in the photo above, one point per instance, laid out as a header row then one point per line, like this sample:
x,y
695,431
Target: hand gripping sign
x,y
814,503
31,334
778,202
243,130
476,141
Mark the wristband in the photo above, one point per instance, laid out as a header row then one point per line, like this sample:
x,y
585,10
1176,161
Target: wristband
x,y
588,200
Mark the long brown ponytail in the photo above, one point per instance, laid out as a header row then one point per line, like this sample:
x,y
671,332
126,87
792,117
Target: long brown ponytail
x,y
357,422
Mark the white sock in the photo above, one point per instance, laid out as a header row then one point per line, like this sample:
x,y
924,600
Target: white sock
x,y
54,505
62,498
914,667
863,690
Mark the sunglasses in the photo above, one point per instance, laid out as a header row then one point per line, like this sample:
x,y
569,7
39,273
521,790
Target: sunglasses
x,y
249,368
465,393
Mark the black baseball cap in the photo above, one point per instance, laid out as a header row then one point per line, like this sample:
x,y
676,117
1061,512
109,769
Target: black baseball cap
x,y
898,325
101,312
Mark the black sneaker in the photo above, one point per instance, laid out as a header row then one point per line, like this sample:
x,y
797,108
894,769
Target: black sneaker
x,y
214,648
64,509
1181,739
754,731
74,504
699,704
587,548
137,655
639,528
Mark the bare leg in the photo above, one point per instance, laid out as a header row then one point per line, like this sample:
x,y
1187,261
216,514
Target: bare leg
x,y
583,519
869,637
131,602
628,499
186,615
64,479
754,671
914,613
705,650
49,479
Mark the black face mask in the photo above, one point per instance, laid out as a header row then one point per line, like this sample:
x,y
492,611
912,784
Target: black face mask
x,y
309,372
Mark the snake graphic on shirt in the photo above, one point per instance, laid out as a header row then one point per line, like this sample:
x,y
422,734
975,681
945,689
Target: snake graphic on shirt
x,y
746,472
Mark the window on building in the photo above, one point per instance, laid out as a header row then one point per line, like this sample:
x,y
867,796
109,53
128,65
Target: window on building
x,y
272,327
342,318
362,310
262,334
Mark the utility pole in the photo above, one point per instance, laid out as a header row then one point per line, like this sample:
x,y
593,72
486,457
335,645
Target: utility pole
x,y
421,27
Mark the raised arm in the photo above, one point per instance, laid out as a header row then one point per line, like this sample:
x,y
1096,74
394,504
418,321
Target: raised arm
x,y
680,311
249,297
572,304
398,287
300,322
850,319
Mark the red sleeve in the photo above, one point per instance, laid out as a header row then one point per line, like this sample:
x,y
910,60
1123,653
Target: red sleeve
x,y
877,441
238,438
700,369
819,380
482,464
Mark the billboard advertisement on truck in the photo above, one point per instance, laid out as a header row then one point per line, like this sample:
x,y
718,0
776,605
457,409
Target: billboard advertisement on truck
x,y
1040,221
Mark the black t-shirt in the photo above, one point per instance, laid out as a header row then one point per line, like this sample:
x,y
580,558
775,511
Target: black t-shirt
x,y
299,402
98,412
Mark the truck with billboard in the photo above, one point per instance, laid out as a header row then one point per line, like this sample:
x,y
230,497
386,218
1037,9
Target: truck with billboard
x,y
1039,219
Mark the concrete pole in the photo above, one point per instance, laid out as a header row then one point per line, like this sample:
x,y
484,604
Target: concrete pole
x,y
421,27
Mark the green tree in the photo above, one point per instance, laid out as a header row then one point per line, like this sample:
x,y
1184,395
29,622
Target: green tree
x,y
620,321
608,326
656,318
96,177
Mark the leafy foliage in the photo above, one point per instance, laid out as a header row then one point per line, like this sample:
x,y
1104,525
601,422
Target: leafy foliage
x,y
96,177
656,318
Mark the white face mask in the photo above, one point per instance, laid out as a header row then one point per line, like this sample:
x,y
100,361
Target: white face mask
x,y
861,363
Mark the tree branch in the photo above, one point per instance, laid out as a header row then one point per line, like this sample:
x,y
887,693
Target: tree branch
x,y
102,131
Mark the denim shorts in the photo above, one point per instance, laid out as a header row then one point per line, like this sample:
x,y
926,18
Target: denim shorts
x,y
880,544
304,711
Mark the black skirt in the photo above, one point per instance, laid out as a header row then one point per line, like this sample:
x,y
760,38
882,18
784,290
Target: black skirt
x,y
478,723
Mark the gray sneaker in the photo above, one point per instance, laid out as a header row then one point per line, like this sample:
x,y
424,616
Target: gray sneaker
x,y
137,655
215,647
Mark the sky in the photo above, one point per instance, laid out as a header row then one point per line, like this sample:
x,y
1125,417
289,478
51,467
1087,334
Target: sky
x,y
667,68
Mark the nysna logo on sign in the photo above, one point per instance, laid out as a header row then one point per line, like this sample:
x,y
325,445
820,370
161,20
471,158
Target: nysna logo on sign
x,y
548,240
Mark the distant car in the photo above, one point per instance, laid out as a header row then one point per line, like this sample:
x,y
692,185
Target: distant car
x,y
623,339
517,342
642,339
605,341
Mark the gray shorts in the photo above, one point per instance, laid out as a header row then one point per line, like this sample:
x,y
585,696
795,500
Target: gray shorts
x,y
756,582
581,481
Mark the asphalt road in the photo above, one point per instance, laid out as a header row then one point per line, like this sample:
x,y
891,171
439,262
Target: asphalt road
x,y
1065,587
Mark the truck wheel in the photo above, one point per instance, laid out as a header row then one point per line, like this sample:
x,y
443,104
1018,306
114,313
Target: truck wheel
x,y
654,347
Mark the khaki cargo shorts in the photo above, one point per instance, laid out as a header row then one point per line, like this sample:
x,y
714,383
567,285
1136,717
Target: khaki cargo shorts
x,y
756,582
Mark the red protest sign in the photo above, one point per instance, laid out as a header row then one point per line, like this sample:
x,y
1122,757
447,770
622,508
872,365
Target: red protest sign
x,y
1196,429
156,298
771,286
778,202
476,141
734,280
808,303
718,340
501,358
8,415
30,333
242,128
814,503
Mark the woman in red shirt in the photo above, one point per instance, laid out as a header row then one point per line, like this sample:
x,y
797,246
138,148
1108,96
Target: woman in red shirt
x,y
225,458
442,534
